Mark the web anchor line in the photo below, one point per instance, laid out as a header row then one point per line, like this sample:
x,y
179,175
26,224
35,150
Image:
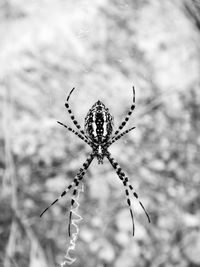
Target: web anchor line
x,y
69,260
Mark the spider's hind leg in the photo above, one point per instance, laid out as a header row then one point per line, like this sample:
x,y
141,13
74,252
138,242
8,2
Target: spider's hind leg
x,y
73,200
136,196
126,182
128,199
76,180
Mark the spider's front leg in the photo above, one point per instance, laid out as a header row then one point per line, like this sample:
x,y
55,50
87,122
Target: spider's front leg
x,y
75,182
127,116
75,122
126,183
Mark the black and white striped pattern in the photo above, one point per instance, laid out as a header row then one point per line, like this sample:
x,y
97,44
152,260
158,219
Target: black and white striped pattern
x,y
127,185
120,135
98,135
75,132
127,116
75,122
99,124
75,182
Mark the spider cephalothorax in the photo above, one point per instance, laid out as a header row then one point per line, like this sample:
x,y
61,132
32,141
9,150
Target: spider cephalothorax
x,y
98,135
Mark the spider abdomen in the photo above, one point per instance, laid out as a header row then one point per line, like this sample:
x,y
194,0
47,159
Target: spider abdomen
x,y
99,123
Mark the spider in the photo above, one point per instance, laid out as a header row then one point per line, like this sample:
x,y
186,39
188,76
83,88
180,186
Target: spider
x,y
98,135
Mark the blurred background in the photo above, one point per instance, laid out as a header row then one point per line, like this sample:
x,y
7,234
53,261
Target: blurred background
x,y
102,48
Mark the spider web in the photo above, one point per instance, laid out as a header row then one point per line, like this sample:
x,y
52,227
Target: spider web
x,y
75,221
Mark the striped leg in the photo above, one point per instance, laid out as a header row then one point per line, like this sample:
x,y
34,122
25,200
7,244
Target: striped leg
x,y
72,115
119,171
128,200
127,116
119,136
136,196
124,180
73,201
76,133
76,181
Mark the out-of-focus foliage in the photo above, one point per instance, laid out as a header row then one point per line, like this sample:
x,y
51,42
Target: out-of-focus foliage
x,y
102,48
